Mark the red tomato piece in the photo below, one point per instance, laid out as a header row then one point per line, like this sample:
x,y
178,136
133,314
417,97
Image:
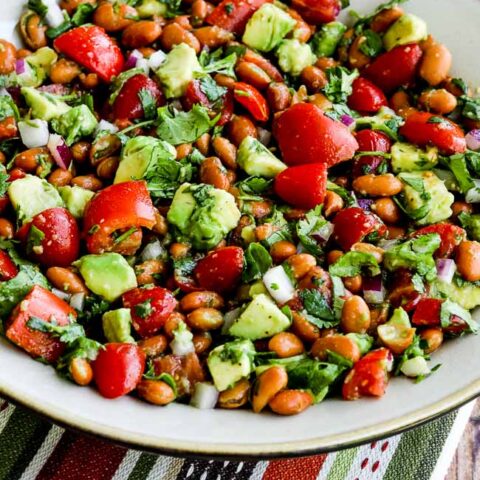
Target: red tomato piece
x,y
251,99
52,238
306,135
42,304
4,202
369,376
128,104
8,269
353,224
395,68
118,369
317,11
119,206
194,94
221,270
370,141
303,186
150,308
423,128
450,235
427,312
92,48
456,325
366,97
227,111
233,15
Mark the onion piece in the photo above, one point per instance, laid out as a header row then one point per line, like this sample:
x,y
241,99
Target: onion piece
x,y
157,59
415,367
133,59
347,120
20,66
324,233
34,133
473,139
61,294
373,290
446,269
105,127
473,195
60,151
279,285
152,251
77,301
54,16
143,64
365,203
182,342
205,396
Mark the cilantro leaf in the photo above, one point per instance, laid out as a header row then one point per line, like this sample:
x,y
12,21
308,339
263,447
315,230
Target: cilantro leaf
x,y
149,103
416,349
257,262
82,14
339,86
372,45
35,239
312,223
4,183
211,89
252,187
348,197
354,263
144,309
65,333
470,107
316,308
215,62
458,166
450,309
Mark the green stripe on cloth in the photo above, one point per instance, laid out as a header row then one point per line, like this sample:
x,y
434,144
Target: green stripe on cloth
x,y
342,464
144,464
19,441
416,454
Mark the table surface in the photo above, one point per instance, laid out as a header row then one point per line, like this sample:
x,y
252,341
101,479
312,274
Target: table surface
x,y
466,462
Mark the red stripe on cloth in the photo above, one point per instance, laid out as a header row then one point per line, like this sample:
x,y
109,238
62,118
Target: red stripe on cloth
x,y
82,458
295,469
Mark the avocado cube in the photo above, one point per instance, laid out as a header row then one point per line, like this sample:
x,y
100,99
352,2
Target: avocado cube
x,y
294,56
75,124
44,106
407,29
409,158
76,199
256,159
117,326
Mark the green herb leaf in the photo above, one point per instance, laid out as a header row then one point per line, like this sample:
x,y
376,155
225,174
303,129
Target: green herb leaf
x,y
373,44
458,166
211,89
65,333
316,309
257,262
4,183
215,62
149,103
82,14
312,222
339,86
35,239
252,187
144,309
450,309
354,263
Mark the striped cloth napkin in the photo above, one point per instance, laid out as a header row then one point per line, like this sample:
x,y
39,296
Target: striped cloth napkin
x,y
33,449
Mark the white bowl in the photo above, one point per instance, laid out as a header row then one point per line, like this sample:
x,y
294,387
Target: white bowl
x,y
333,424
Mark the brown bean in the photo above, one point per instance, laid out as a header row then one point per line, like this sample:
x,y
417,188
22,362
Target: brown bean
x,y
304,329
108,167
173,34
81,371
353,284
286,344
250,73
148,271
60,177
30,159
267,385
179,250
64,71
183,21
88,182
33,31
385,18
333,256
400,102
434,338
385,185
199,12
154,346
105,146
226,151
302,30
387,210
324,63
156,392
202,341
212,36
141,34
339,344
282,250
290,402
161,225
452,87
205,299
65,280
71,5
395,232
313,78
356,58
80,151
172,323
320,101
89,80
435,64
333,203
240,127
224,80
23,52
236,396
301,263
213,173
183,150
259,209
278,96
459,207
114,17
7,228
205,319
355,315
468,260
7,57
203,143
438,101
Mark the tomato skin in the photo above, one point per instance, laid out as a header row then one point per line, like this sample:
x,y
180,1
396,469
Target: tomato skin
x,y
395,68
370,141
251,99
369,376
366,97
118,369
128,105
427,312
227,111
4,202
447,136
317,11
162,303
303,186
122,205
353,224
233,15
61,243
221,270
450,235
8,269
306,135
92,48
42,304
193,95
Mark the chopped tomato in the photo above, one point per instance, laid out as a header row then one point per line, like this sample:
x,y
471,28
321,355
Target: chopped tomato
x,y
4,202
366,97
227,110
353,224
150,308
306,135
427,312
129,104
221,270
194,95
120,206
370,141
369,376
395,68
317,11
42,304
118,369
92,48
450,235
423,128
8,269
251,99
303,186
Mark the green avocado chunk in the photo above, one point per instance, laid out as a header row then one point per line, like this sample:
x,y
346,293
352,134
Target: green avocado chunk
x,y
467,296
294,56
75,124
108,275
117,325
45,106
407,29
258,160
409,158
325,41
76,199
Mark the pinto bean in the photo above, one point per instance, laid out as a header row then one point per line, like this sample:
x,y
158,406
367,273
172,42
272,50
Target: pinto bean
x,y
385,185
268,384
236,396
65,280
141,34
173,34
7,57
213,173
205,299
290,402
240,127
438,101
212,36
250,73
114,17
435,64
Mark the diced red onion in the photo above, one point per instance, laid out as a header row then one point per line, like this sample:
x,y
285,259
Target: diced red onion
x,y
55,89
60,151
61,294
34,133
54,16
205,396
104,126
473,139
365,203
347,120
446,269
279,285
156,59
324,233
20,66
152,251
132,60
77,301
373,290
